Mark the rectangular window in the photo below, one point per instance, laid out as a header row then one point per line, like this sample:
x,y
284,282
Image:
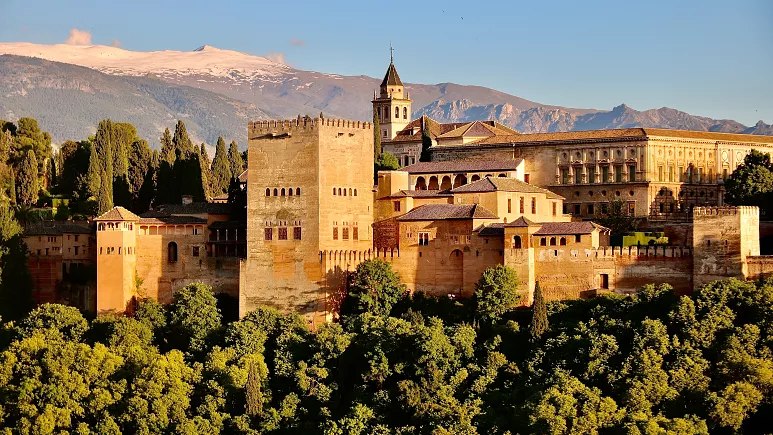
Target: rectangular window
x,y
577,238
591,174
680,170
605,174
577,209
577,175
618,174
282,233
76,238
631,173
77,248
355,233
554,209
670,173
534,206
195,251
631,208
268,234
195,230
397,205
604,281
724,174
590,209
296,233
564,176
346,234
335,233
509,205
526,178
522,201
423,239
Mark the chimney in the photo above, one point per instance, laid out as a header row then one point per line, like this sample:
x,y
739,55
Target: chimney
x,y
187,199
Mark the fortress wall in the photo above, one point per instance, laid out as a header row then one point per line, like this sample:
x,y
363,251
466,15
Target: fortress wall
x,y
759,266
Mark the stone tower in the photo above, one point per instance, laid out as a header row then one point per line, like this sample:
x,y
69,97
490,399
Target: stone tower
x,y
723,239
116,259
392,104
312,194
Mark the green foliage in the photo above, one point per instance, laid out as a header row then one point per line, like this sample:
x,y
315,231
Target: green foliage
x,y
373,288
183,147
235,160
387,162
539,313
193,317
15,281
496,293
221,169
254,396
27,187
54,322
751,183
617,218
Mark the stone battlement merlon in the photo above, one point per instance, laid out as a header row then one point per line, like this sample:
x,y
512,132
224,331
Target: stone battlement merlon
x,y
615,251
725,210
257,127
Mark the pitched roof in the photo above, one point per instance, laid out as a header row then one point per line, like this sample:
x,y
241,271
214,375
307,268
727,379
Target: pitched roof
x,y
432,212
477,129
117,214
421,194
505,184
467,165
495,229
568,228
522,222
162,217
243,176
196,208
55,228
413,131
391,78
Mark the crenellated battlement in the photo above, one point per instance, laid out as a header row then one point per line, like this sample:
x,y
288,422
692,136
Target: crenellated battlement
x,y
287,125
745,210
357,256
560,253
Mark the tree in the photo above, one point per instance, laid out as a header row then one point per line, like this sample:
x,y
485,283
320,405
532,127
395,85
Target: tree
x,y
54,321
252,390
752,182
221,169
183,146
15,281
27,184
235,158
539,313
105,196
167,147
617,218
387,162
426,140
373,288
376,136
206,171
29,136
94,172
104,150
193,317
496,293
140,157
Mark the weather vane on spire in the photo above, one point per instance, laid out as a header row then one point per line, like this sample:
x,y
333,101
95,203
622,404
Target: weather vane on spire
x,y
391,54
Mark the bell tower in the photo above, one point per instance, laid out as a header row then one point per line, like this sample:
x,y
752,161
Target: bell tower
x,y
392,104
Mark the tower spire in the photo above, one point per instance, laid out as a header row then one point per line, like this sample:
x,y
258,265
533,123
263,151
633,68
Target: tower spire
x,y
391,54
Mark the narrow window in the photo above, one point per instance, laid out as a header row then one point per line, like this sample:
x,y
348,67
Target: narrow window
x,y
276,192
268,234
522,204
577,238
268,192
290,192
195,251
590,209
509,205
346,234
334,191
297,191
350,191
171,252
554,209
543,241
562,241
534,206
397,112
397,205
355,192
405,113
604,281
335,233
282,233
355,233
344,191
552,241
283,191
297,233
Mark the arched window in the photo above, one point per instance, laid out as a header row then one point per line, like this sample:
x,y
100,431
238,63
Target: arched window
x,y
543,242
350,191
433,184
283,191
475,177
405,113
344,191
516,242
397,112
171,252
552,241
334,191
421,184
502,175
297,191
268,192
339,192
562,242
101,227
276,192
290,192
355,192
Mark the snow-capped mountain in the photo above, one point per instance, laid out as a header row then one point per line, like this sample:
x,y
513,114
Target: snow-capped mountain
x,y
255,86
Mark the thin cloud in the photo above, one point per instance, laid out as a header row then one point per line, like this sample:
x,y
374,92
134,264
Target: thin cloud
x,y
297,42
277,57
78,37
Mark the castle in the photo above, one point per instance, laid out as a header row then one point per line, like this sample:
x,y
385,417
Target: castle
x,y
489,196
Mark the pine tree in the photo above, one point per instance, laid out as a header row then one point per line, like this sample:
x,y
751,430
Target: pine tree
x,y
182,143
254,395
235,159
221,169
167,147
376,136
539,316
27,188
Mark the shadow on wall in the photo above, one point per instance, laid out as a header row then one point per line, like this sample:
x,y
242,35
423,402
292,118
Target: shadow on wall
x,y
336,283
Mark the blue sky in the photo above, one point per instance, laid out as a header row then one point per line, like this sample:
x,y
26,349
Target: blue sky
x,y
706,57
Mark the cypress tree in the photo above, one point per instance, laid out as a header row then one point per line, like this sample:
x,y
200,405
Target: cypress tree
x,y
104,148
27,189
204,169
539,315
221,169
235,159
167,147
94,174
426,140
182,143
254,395
376,136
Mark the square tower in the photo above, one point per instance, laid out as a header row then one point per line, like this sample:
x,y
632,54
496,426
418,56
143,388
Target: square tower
x,y
392,105
309,192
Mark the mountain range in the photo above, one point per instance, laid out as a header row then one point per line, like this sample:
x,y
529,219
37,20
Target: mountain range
x,y
69,88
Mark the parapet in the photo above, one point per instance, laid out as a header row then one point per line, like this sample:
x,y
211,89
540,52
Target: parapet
x,y
614,251
746,210
256,128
